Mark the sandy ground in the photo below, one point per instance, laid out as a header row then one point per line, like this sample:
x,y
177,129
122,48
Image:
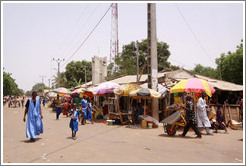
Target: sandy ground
x,y
101,143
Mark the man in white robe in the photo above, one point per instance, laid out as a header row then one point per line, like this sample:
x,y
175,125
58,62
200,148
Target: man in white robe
x,y
202,117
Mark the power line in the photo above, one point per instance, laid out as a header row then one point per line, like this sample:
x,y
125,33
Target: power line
x,y
87,36
193,33
77,34
75,25
180,63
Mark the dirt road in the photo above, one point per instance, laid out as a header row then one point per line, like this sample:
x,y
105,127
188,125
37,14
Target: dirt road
x,y
101,143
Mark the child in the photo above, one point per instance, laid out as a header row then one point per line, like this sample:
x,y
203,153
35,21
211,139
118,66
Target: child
x,y
219,122
89,113
74,113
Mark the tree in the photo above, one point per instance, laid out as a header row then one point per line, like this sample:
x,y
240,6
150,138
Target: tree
x,y
9,85
127,59
28,93
75,73
230,66
39,87
205,71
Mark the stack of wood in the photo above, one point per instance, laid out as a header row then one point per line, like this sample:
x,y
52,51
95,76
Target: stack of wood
x,y
232,116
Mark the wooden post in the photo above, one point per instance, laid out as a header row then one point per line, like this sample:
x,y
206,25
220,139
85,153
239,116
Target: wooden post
x,y
238,117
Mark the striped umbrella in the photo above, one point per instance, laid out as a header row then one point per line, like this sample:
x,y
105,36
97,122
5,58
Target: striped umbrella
x,y
51,94
193,85
62,91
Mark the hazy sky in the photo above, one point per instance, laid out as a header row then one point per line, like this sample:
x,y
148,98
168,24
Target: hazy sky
x,y
34,33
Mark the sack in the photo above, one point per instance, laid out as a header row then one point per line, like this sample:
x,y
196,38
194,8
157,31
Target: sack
x,y
211,113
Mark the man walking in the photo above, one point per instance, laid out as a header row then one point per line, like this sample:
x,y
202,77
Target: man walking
x,y
34,125
190,118
202,117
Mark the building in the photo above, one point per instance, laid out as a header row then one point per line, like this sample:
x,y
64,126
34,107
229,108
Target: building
x,y
99,69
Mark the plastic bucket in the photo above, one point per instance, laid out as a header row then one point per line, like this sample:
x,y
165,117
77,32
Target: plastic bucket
x,y
150,125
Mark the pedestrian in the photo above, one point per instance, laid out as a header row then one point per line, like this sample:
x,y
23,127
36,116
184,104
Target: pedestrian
x,y
84,107
202,117
22,101
58,103
190,118
67,107
44,100
89,110
34,125
219,123
74,122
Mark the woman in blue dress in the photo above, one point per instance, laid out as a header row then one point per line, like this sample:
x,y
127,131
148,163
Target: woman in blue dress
x,y
74,122
84,107
34,125
89,111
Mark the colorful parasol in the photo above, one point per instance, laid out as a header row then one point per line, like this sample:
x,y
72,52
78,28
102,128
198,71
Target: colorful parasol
x,y
106,87
124,90
193,85
51,94
62,91
66,96
77,91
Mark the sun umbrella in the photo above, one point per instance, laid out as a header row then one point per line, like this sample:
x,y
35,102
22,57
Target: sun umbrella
x,y
106,87
51,94
62,91
193,85
145,92
77,91
66,96
124,90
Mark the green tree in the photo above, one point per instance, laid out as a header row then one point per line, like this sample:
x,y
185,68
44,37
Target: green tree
x,y
39,87
9,85
230,66
205,71
28,93
75,72
126,62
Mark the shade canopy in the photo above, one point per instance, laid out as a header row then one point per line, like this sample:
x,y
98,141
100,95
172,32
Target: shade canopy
x,y
62,91
145,93
161,89
106,87
193,85
124,90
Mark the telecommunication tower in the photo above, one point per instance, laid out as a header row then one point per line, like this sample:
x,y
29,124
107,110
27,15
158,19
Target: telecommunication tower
x,y
114,42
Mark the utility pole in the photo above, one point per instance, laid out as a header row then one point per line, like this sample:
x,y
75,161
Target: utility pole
x,y
42,82
137,52
152,55
58,73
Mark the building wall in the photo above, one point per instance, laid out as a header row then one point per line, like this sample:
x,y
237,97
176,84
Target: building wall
x,y
99,69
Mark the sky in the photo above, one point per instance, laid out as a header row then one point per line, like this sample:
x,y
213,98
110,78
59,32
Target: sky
x,y
34,33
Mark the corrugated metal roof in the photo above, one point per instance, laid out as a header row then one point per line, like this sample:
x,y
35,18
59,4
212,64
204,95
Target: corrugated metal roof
x,y
222,85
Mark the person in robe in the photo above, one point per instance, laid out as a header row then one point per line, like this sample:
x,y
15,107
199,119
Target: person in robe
x,y
202,117
190,118
34,125
84,107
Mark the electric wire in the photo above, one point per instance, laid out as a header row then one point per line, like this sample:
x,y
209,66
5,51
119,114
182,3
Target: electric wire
x,y
78,32
87,36
198,41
